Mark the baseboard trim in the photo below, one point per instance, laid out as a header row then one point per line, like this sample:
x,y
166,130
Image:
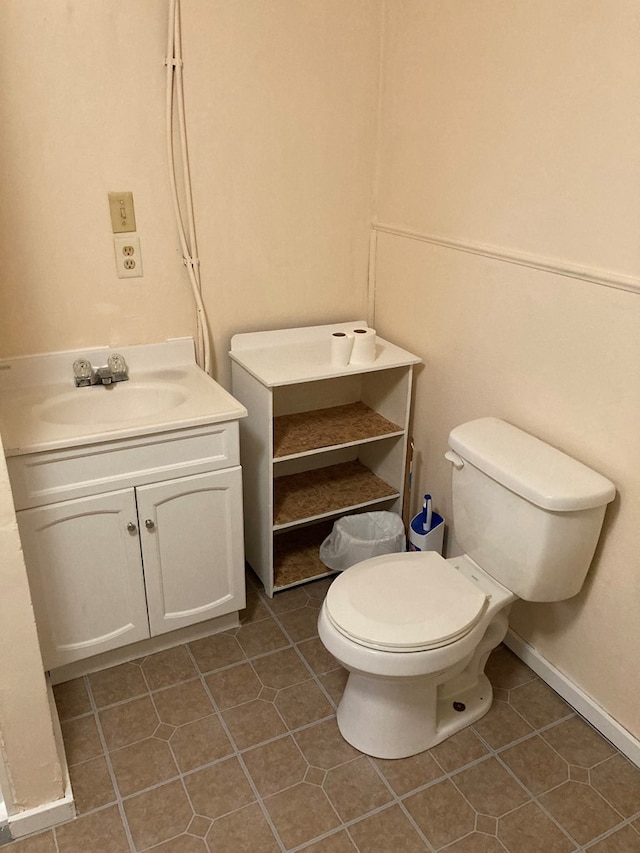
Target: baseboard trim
x,y
144,647
576,697
42,817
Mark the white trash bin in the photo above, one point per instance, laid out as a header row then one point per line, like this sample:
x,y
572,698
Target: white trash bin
x,y
357,537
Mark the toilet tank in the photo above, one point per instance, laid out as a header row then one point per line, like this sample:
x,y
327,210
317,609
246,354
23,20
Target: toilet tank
x,y
527,513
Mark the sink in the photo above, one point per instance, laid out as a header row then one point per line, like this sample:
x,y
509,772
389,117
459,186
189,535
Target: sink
x,y
41,410
113,404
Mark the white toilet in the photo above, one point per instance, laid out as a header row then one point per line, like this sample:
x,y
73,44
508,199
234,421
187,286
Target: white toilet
x,y
415,630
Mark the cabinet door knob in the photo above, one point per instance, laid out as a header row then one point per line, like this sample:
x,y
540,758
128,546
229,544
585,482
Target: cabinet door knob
x,y
149,524
131,527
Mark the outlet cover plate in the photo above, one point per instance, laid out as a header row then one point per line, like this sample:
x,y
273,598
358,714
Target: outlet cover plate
x,y
128,255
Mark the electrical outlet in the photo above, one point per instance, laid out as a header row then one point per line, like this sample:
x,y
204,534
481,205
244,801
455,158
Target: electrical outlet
x,y
128,256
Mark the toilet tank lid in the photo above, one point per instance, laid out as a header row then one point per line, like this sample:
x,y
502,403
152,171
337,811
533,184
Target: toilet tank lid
x,y
529,467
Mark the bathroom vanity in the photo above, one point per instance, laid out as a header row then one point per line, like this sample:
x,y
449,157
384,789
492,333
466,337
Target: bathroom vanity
x,y
320,441
128,498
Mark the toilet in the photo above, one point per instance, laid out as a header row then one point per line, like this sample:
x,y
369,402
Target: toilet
x,y
414,630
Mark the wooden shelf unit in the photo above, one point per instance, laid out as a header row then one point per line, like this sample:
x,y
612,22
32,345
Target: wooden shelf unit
x,y
319,442
306,432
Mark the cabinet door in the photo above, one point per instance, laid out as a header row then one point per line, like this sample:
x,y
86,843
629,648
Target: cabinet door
x,y
192,548
85,575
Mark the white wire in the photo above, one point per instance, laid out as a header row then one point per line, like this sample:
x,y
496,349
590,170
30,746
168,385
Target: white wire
x,y
188,243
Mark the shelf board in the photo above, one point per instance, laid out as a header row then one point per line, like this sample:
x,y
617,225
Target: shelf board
x,y
303,432
325,491
296,556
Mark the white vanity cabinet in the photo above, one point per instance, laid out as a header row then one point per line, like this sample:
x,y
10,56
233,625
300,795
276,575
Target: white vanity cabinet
x,y
320,441
191,538
109,566
85,575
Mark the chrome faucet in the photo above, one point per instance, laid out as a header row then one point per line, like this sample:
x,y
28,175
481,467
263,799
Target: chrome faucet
x,y
115,370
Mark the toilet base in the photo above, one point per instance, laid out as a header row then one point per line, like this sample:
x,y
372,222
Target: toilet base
x,y
406,716
389,717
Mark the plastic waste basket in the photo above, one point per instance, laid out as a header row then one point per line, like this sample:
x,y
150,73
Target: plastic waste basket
x,y
357,537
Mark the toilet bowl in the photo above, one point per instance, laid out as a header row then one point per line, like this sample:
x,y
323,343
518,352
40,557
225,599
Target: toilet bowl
x,y
414,630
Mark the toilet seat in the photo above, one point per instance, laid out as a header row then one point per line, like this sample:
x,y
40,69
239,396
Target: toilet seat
x,y
404,603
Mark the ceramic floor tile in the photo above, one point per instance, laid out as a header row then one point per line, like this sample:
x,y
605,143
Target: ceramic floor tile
x,y
71,698
214,652
323,745
536,765
103,831
253,722
219,789
529,830
334,683
199,742
505,670
182,703
301,814
406,774
301,624
618,781
289,599
117,683
539,704
158,815
302,704
460,749
475,842
386,831
339,842
42,843
234,686
280,669
442,813
490,788
168,667
81,739
355,789
502,725
255,611
199,826
275,766
242,831
141,765
318,658
130,722
260,637
91,784
580,810
578,743
624,840
182,844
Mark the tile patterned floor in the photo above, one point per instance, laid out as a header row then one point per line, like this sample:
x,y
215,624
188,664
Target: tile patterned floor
x,y
229,745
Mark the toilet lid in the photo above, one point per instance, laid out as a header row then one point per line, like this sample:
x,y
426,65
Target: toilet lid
x,y
404,602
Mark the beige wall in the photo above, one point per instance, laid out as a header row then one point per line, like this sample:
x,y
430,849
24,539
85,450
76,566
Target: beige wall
x,y
28,749
281,100
515,126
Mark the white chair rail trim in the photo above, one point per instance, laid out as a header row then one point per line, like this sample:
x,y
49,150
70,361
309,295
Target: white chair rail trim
x,y
605,278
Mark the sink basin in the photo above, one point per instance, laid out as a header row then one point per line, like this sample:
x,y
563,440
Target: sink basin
x,y
114,404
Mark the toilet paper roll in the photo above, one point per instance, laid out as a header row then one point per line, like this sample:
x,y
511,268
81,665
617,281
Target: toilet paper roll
x,y
341,345
364,346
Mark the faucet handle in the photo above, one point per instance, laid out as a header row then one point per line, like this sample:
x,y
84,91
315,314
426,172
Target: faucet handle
x,y
118,366
82,371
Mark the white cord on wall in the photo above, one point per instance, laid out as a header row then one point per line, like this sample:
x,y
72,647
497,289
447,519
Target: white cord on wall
x,y
175,104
